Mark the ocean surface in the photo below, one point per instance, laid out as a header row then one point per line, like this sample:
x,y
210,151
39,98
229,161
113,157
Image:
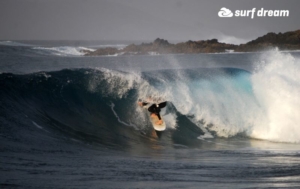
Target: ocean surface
x,y
70,121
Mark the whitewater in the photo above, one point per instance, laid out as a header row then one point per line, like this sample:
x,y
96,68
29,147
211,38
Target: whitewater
x,y
232,119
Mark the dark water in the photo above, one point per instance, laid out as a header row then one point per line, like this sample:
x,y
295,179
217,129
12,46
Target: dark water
x,y
68,121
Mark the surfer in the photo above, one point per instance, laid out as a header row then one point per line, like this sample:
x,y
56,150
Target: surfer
x,y
154,109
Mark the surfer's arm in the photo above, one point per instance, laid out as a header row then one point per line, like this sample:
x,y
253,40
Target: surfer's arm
x,y
144,103
162,104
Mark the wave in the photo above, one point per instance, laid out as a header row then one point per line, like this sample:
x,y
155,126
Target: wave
x,y
12,47
64,50
96,105
74,51
14,43
202,103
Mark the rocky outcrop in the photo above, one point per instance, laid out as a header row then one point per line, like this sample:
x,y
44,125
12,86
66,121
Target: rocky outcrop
x,y
203,46
102,51
285,41
162,46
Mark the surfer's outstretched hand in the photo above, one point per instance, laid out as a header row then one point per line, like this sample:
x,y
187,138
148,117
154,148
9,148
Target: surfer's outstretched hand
x,y
140,103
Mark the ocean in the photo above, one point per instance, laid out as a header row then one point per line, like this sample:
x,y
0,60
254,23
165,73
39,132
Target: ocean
x,y
71,121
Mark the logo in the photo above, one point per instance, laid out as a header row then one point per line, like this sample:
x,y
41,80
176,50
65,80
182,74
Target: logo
x,y
224,12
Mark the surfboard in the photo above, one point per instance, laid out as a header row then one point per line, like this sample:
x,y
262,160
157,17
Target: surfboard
x,y
158,127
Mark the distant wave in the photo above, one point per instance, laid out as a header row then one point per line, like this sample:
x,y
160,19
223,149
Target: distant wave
x,y
13,43
65,50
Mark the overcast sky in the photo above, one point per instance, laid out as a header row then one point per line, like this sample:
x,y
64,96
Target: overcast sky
x,y
174,20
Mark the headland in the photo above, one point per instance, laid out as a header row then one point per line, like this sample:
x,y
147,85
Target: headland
x,y
283,41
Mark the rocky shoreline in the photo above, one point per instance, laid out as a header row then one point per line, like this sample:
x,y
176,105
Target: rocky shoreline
x,y
283,41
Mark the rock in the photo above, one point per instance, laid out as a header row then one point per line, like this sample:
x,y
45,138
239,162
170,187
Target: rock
x,y
103,51
161,42
284,41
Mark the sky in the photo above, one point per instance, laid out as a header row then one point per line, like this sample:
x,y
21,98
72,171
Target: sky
x,y
141,20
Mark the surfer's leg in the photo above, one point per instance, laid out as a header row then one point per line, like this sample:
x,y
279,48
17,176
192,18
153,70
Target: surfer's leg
x,y
159,122
158,115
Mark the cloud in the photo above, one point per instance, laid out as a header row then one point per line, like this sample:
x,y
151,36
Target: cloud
x,y
224,12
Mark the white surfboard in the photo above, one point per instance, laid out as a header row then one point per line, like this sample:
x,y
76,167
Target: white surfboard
x,y
158,127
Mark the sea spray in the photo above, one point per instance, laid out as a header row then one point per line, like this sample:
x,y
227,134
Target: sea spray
x,y
276,85
112,83
216,100
264,104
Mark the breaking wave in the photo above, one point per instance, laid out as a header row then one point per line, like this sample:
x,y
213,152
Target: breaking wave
x,y
202,103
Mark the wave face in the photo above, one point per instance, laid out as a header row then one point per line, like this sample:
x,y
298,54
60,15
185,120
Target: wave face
x,y
100,104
